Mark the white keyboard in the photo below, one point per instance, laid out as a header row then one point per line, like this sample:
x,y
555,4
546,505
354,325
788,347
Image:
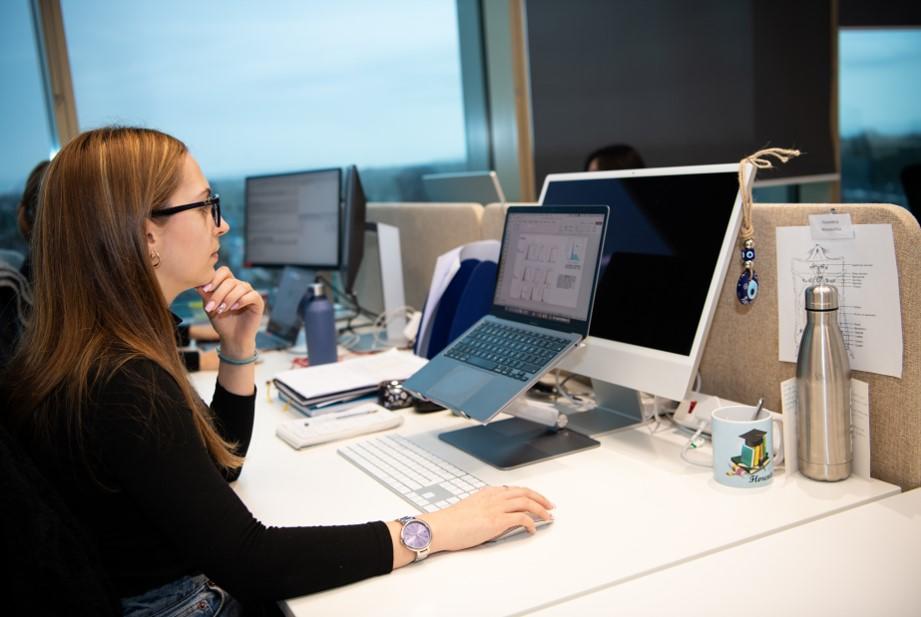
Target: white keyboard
x,y
358,420
423,479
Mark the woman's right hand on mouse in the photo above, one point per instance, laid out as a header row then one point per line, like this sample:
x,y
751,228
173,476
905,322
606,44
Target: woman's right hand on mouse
x,y
483,516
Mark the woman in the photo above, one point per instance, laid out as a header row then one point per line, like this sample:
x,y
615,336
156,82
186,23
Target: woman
x,y
108,412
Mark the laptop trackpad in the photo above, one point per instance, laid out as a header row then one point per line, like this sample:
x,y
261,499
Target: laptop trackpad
x,y
458,385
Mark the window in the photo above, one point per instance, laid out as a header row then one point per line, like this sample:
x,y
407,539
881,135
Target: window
x,y
24,120
880,116
280,86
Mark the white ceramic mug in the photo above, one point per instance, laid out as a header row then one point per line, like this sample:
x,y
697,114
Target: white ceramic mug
x,y
743,452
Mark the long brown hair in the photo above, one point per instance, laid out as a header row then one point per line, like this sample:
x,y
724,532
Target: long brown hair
x,y
97,302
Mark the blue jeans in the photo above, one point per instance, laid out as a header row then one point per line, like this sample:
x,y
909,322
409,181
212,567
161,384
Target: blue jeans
x,y
190,596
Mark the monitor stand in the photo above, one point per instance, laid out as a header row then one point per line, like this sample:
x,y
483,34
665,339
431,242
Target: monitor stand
x,y
538,433
516,442
617,407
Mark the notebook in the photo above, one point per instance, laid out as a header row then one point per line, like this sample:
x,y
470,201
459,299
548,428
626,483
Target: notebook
x,y
541,309
320,389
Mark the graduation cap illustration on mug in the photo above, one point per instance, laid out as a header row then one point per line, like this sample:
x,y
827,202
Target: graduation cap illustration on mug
x,y
754,452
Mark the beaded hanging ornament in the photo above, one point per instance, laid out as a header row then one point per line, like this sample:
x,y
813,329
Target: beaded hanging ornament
x,y
747,288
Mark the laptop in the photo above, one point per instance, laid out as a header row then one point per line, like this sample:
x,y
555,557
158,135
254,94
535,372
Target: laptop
x,y
545,287
285,319
470,186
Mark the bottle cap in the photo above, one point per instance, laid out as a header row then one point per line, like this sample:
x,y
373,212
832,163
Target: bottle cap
x,y
316,290
821,298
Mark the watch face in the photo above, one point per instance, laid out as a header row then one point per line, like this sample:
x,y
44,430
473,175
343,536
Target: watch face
x,y
416,535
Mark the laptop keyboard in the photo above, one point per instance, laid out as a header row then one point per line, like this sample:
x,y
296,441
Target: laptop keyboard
x,y
507,349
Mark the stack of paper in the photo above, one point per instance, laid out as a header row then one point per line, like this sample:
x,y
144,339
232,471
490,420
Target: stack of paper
x,y
317,389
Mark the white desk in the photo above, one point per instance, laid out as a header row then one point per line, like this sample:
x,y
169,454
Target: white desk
x,y
861,562
626,509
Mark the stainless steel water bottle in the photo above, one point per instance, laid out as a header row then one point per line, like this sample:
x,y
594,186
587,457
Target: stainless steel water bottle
x,y
823,402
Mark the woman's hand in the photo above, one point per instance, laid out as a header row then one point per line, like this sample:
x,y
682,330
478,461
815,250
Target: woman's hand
x,y
483,516
235,311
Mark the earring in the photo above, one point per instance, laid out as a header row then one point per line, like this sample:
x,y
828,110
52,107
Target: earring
x,y
155,259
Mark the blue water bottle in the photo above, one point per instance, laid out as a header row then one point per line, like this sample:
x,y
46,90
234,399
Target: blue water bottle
x,y
320,324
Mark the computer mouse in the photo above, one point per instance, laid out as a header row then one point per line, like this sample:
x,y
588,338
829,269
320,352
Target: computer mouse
x,y
517,529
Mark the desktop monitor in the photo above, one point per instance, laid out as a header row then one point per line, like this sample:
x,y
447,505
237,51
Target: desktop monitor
x,y
293,219
671,239
470,186
353,228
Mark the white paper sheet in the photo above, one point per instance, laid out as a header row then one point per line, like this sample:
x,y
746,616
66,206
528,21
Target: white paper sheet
x,y
788,409
864,271
860,426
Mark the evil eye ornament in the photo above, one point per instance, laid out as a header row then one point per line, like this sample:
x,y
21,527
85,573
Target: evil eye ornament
x,y
747,289
747,254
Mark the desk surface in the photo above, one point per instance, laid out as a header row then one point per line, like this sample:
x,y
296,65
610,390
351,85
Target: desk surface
x,y
861,562
625,509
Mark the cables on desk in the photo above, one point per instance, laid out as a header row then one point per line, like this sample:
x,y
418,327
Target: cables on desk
x,y
692,444
579,403
351,298
349,338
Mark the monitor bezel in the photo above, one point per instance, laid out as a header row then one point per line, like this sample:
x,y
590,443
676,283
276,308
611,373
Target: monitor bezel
x,y
281,264
352,228
475,178
645,369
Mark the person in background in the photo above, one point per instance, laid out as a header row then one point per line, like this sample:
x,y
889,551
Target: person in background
x,y
16,286
197,359
617,156
105,408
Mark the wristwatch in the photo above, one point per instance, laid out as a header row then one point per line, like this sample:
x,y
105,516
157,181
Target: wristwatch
x,y
416,535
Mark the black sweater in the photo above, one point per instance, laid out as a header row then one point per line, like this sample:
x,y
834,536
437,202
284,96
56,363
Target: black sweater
x,y
160,508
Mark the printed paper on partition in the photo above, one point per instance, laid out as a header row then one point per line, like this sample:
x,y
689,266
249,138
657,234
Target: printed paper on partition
x,y
863,268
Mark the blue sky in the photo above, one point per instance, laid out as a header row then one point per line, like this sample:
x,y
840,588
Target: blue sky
x,y
273,86
880,83
26,138
262,87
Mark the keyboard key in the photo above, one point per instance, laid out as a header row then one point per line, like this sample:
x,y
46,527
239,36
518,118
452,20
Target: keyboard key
x,y
481,362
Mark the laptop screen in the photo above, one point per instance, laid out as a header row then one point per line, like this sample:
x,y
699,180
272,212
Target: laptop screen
x,y
548,266
285,318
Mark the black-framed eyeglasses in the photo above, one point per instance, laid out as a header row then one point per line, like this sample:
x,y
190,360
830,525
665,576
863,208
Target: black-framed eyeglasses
x,y
214,202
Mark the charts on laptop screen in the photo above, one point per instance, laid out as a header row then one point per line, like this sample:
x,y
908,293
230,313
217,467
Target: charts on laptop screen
x,y
549,264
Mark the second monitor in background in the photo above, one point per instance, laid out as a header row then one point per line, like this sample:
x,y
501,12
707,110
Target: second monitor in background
x,y
353,228
470,186
293,219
